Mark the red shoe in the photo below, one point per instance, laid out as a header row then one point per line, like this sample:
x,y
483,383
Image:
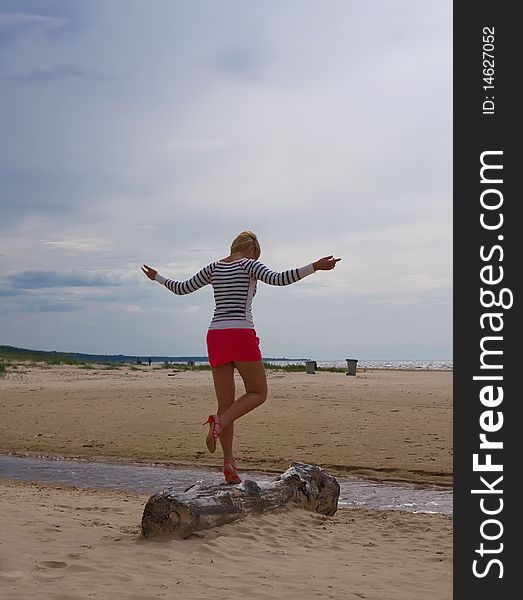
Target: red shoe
x,y
230,472
215,428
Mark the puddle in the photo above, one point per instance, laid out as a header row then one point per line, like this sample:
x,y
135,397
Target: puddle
x,y
151,479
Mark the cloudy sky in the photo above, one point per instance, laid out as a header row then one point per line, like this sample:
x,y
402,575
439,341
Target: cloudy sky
x,y
153,132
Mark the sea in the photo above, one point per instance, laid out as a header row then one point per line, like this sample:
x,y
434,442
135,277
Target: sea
x,y
433,365
422,365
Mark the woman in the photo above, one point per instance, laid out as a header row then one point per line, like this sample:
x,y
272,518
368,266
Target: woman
x,y
231,338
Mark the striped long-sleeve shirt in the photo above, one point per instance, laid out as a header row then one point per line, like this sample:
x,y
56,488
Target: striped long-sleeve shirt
x,y
234,285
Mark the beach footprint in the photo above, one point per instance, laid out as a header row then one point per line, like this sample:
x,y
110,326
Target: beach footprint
x,y
51,564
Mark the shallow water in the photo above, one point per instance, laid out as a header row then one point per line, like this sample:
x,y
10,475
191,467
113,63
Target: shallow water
x,y
151,479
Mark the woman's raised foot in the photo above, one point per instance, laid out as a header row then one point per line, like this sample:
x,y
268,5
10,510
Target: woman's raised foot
x,y
215,428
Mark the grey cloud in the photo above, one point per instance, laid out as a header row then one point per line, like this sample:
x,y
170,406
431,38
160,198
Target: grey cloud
x,y
206,250
7,293
56,191
57,306
12,23
36,279
30,191
43,74
51,296
39,305
240,64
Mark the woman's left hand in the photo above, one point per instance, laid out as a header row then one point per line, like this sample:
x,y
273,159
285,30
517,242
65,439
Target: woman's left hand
x,y
150,272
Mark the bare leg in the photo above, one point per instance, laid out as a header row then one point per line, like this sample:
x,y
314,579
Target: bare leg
x,y
223,377
253,375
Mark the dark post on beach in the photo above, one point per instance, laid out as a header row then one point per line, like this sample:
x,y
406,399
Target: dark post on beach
x,y
351,366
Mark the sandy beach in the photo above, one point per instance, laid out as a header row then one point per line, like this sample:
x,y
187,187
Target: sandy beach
x,y
61,542
381,424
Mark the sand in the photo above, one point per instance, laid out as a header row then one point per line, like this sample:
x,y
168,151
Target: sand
x,y
61,542
381,424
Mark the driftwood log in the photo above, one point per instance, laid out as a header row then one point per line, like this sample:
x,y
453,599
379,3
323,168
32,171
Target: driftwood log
x,y
178,514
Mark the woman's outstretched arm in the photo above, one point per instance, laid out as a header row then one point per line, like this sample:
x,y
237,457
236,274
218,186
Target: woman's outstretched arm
x,y
259,271
201,278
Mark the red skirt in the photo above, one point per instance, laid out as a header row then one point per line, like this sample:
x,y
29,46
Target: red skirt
x,y
230,345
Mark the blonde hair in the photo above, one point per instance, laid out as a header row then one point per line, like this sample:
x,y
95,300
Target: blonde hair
x,y
243,241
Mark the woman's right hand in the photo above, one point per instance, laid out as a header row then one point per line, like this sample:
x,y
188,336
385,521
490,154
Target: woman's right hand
x,y
150,272
326,263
